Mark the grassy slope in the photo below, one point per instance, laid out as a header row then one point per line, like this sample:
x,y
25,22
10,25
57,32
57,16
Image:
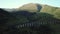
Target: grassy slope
x,y
51,10
30,7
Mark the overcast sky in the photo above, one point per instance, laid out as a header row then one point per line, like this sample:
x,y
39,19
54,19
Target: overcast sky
x,y
17,3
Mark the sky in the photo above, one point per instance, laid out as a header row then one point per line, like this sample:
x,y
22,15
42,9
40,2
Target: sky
x,y
18,3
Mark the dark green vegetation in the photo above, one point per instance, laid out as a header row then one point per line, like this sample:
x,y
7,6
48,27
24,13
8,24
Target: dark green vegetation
x,y
9,22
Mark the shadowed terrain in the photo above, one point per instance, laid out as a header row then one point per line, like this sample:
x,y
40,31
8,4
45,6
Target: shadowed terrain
x,y
17,22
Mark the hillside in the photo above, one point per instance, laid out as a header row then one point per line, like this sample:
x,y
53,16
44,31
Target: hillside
x,y
30,18
41,8
51,10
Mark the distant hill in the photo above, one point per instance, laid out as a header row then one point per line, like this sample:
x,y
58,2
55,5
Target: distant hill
x,y
41,8
30,7
10,10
